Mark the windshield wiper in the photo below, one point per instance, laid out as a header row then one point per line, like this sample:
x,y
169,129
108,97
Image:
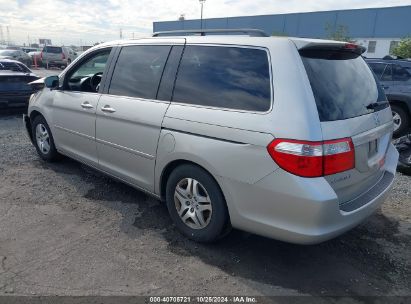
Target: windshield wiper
x,y
376,106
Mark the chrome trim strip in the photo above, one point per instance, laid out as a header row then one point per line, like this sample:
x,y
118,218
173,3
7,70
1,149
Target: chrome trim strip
x,y
367,136
132,151
74,132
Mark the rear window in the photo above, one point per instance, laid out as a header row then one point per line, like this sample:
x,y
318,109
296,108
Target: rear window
x,y
53,49
226,77
343,84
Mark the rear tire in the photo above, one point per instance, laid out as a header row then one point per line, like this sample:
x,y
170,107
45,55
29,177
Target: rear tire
x,y
401,120
196,204
43,140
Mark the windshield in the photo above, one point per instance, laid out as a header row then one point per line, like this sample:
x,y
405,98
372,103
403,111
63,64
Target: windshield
x,y
343,85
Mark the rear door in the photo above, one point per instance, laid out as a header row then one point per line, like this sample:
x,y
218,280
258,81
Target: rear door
x,y
352,104
129,116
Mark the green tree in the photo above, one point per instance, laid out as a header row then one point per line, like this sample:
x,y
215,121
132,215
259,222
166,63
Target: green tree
x,y
403,49
339,32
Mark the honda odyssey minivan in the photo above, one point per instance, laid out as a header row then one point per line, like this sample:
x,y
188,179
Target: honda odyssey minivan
x,y
283,137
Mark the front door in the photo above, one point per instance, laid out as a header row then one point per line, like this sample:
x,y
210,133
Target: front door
x,y
74,107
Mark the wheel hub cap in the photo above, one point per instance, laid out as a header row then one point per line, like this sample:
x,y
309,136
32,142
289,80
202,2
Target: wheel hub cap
x,y
42,139
397,120
192,203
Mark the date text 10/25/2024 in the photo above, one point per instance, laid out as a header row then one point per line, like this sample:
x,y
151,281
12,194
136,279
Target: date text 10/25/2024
x,y
203,299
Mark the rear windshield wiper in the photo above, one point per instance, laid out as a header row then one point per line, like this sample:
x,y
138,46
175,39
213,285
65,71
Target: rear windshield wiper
x,y
376,106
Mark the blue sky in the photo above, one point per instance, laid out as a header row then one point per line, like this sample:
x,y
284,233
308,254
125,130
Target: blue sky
x,y
75,21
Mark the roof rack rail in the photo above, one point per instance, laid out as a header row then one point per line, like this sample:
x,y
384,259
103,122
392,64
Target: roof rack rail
x,y
206,32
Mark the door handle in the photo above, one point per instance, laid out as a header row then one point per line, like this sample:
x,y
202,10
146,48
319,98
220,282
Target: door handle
x,y
86,105
108,109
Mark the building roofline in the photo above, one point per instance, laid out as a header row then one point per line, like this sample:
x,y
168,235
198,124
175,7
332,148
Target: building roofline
x,y
296,13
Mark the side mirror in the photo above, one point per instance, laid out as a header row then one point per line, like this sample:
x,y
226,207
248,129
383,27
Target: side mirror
x,y
51,82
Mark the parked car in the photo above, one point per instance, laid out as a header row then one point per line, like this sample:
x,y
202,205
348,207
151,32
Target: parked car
x,y
286,138
395,76
18,55
14,88
28,50
57,56
36,58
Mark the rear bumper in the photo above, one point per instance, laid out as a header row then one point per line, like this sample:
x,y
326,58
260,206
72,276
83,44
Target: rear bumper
x,y
16,99
55,62
301,210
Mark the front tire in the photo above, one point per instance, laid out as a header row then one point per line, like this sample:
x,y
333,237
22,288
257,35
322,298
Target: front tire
x,y
401,121
43,140
196,204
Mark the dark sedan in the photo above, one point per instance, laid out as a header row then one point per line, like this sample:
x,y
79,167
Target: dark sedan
x,y
395,76
14,88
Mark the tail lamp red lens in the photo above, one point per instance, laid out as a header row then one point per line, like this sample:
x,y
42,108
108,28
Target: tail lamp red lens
x,y
350,46
313,159
63,56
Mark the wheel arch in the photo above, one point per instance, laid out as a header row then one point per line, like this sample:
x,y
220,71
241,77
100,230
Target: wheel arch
x,y
34,114
404,102
170,166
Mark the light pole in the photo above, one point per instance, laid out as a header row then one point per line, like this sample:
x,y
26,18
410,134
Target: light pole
x,y
202,3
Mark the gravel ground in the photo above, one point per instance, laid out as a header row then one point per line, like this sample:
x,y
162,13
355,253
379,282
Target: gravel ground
x,y
68,230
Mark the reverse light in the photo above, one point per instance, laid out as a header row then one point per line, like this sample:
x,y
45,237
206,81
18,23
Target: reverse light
x,y
313,159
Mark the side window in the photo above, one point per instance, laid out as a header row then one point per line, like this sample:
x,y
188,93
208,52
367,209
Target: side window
x,y
378,69
387,75
138,71
86,76
169,75
227,77
399,73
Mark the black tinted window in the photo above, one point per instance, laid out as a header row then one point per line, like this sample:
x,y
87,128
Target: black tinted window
x,y
378,68
399,73
387,75
228,77
169,75
343,85
138,71
53,49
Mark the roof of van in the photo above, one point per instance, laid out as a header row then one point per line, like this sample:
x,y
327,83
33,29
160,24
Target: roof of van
x,y
225,39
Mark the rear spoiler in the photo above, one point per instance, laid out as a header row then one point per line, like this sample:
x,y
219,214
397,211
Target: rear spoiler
x,y
333,47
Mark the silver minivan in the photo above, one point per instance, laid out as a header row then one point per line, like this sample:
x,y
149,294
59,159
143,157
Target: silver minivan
x,y
283,137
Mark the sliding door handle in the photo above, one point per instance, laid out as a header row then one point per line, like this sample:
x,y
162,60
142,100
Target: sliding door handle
x,y
86,105
108,109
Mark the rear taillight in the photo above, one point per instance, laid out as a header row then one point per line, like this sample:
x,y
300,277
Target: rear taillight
x,y
41,55
313,159
63,56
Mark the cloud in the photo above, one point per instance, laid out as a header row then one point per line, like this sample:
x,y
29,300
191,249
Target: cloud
x,y
87,22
